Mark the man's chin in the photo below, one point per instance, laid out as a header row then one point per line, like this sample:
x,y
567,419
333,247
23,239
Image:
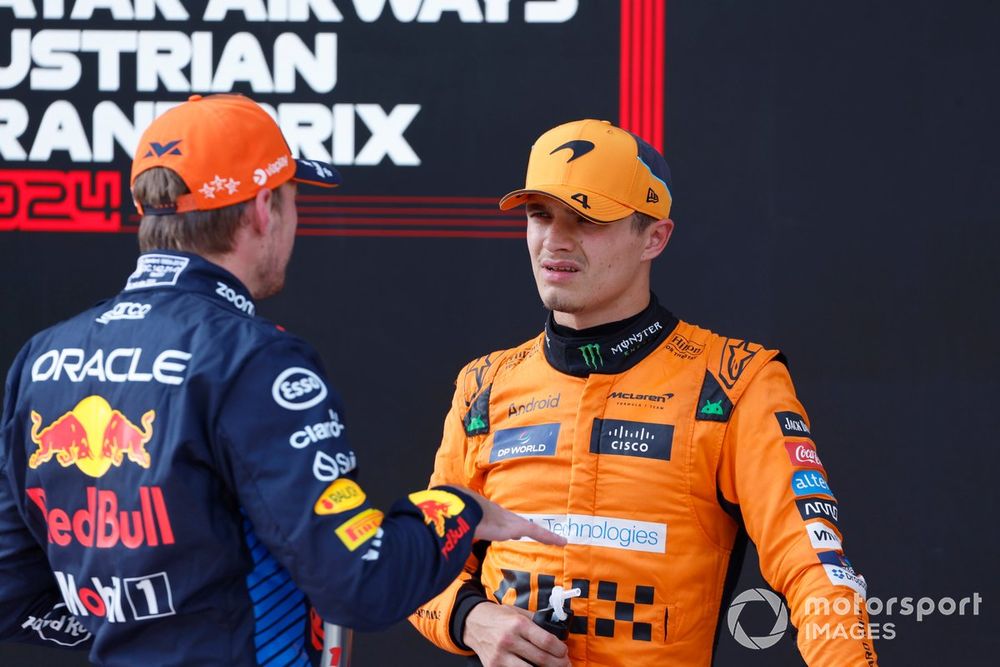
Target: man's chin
x,y
562,303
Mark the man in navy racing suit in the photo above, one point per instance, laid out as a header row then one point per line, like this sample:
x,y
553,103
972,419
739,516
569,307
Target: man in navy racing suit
x,y
177,473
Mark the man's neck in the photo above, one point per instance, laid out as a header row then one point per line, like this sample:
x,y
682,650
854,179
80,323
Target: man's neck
x,y
623,311
234,263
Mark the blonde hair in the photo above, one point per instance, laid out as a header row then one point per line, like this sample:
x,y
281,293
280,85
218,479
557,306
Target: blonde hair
x,y
201,232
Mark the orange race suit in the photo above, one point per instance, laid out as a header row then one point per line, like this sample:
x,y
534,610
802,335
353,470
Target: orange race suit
x,y
655,447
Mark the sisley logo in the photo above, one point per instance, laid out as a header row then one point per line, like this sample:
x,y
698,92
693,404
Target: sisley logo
x,y
550,401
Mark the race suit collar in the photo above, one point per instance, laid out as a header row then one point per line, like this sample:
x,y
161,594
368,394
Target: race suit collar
x,y
598,350
171,269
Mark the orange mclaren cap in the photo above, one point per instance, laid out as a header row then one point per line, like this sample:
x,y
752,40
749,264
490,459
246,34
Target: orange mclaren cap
x,y
602,171
226,149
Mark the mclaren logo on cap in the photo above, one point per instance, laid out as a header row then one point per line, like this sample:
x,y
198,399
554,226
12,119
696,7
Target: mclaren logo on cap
x,y
580,147
160,150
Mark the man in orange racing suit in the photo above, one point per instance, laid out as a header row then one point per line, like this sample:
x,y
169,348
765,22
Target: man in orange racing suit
x,y
650,443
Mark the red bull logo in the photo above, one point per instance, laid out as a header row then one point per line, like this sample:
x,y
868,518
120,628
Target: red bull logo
x,y
103,522
437,506
93,436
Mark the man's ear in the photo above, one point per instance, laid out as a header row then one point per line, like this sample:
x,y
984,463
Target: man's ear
x,y
657,236
260,212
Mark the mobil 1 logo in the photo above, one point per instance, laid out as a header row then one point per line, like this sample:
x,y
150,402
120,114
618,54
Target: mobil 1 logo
x,y
627,438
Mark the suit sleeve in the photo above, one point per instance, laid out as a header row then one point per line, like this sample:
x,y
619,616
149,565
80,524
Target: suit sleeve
x,y
31,607
286,449
770,469
442,619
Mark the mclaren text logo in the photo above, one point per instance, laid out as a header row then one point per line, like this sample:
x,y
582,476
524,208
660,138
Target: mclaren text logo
x,y
298,388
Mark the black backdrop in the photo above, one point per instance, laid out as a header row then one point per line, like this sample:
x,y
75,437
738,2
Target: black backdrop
x,y
834,170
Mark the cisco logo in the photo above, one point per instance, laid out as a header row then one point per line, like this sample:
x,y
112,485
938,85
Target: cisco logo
x,y
298,389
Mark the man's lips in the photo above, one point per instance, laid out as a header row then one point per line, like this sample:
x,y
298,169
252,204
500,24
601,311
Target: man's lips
x,y
559,271
560,266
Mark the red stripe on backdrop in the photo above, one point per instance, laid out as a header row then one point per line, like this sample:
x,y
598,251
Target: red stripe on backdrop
x,y
624,70
332,221
647,70
407,210
390,199
635,64
641,70
413,233
659,86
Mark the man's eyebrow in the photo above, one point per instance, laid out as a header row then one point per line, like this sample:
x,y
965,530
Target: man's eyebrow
x,y
534,206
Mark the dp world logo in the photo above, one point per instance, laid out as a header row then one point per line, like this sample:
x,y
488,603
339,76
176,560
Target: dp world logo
x,y
778,609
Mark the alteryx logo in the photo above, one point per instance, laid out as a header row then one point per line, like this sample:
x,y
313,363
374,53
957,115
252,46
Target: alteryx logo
x,y
811,483
510,443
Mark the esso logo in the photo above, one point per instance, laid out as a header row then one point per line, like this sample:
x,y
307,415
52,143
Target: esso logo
x,y
298,389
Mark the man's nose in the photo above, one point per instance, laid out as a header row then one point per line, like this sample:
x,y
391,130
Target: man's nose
x,y
560,235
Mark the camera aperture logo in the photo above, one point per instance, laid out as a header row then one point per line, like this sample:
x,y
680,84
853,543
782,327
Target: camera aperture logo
x,y
757,595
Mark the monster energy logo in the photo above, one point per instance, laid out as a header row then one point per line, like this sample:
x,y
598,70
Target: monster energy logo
x,y
592,355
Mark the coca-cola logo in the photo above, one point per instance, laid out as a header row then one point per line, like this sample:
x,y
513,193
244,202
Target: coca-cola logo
x,y
803,455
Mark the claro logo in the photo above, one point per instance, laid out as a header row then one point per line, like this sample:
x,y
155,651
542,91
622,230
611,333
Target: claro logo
x,y
298,388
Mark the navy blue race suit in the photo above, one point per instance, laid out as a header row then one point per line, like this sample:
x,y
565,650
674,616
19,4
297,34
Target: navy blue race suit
x,y
178,473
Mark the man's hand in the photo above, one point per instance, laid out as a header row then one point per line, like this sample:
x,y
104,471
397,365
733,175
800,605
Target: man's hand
x,y
499,524
504,636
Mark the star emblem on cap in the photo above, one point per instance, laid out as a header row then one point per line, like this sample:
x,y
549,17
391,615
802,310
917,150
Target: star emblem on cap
x,y
218,184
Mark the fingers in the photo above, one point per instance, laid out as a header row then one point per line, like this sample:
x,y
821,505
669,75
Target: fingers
x,y
505,636
499,524
539,534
